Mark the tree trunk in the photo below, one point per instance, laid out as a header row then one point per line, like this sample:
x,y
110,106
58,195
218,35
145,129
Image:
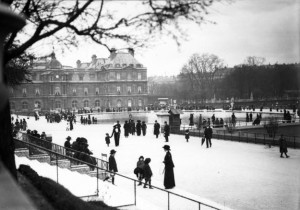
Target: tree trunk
x,y
7,146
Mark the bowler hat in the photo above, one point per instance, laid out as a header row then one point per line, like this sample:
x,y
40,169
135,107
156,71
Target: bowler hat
x,y
166,147
113,151
68,137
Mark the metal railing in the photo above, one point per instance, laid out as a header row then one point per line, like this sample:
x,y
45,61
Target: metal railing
x,y
240,136
55,156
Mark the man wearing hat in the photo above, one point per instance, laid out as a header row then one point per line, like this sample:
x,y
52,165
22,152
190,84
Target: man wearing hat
x,y
116,133
166,131
156,128
67,146
169,180
112,166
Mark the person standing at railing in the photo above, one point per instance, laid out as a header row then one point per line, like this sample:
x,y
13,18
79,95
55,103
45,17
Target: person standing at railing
x,y
112,165
147,173
283,146
156,128
67,145
169,180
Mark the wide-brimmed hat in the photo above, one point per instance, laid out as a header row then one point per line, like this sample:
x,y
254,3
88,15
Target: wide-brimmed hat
x,y
68,137
113,151
166,147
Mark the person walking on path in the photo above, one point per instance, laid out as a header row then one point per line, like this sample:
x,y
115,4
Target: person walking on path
x,y
187,135
156,128
67,145
138,128
112,165
169,180
140,169
283,146
147,173
107,139
166,131
208,135
116,133
144,128
126,129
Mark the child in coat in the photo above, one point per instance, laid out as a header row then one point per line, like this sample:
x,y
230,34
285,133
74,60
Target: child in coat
x,y
107,139
187,135
147,173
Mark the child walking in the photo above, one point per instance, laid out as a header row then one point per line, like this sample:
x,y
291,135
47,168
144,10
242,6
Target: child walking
x,y
187,135
107,139
147,173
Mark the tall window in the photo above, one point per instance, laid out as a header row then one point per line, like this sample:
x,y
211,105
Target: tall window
x,y
74,104
81,77
118,76
24,105
57,104
51,90
74,91
86,91
129,102
139,76
129,76
97,103
12,105
64,90
37,104
97,91
129,89
57,91
118,89
139,89
119,103
24,91
37,91
86,103
140,102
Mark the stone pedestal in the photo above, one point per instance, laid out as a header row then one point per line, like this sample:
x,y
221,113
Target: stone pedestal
x,y
163,117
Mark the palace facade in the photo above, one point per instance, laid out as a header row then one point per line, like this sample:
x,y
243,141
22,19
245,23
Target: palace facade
x,y
118,82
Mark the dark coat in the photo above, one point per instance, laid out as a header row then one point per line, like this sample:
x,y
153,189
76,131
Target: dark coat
x,y
107,140
147,172
208,133
156,128
282,145
169,180
112,164
167,130
67,144
126,129
187,135
138,128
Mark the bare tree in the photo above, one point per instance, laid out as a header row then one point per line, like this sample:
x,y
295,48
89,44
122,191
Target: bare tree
x,y
254,61
64,21
200,70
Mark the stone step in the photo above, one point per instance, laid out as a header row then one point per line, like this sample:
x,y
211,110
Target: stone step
x,y
23,152
63,163
101,174
43,158
83,169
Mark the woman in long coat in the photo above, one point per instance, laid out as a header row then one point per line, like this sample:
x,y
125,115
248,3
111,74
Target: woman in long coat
x,y
116,133
138,128
169,180
126,129
283,146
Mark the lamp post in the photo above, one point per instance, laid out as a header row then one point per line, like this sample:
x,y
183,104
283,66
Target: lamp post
x,y
9,22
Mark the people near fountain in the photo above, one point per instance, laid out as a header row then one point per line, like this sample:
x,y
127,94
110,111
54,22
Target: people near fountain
x,y
132,127
213,119
247,117
250,117
233,119
288,117
147,173
116,133
283,146
169,180
67,146
221,122
156,128
144,128
112,165
138,128
208,135
166,131
139,170
217,123
187,135
107,139
126,127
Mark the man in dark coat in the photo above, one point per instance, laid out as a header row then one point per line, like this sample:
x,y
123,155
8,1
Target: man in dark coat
x,y
144,128
68,146
208,135
112,164
138,128
166,131
156,128
116,133
126,129
283,146
169,180
147,173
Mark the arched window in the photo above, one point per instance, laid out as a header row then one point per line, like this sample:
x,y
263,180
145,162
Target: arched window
x,y
57,104
86,103
24,105
86,91
118,76
129,102
140,102
97,103
37,104
12,105
119,103
57,91
74,104
139,76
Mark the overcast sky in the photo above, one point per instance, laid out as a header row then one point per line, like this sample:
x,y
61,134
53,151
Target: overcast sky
x,y
265,28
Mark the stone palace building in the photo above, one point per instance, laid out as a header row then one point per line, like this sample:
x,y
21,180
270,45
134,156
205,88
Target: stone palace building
x,y
118,82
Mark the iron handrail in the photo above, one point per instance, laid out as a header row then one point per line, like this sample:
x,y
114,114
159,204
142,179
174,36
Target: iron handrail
x,y
118,174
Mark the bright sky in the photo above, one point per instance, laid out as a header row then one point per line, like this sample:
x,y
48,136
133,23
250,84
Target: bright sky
x,y
265,28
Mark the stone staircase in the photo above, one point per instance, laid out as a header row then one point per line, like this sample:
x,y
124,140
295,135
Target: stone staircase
x,y
62,163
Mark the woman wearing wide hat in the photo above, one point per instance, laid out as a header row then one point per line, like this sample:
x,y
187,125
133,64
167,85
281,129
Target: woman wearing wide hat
x,y
169,180
112,166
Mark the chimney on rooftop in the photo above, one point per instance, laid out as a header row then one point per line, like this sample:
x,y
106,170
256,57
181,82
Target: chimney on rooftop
x,y
94,59
131,51
113,52
78,63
